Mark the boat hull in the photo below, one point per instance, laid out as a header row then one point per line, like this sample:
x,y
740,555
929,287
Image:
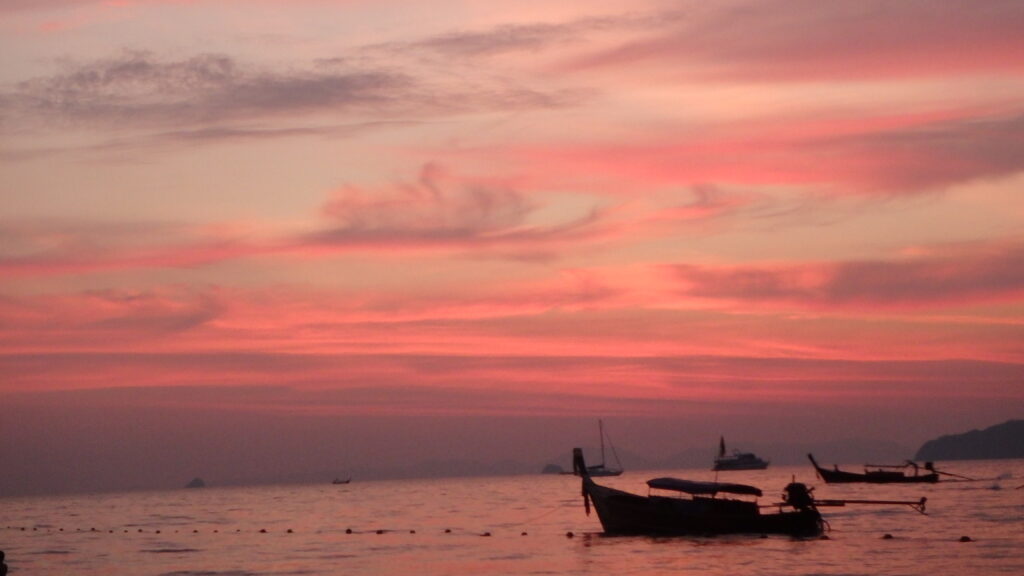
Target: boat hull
x,y
603,472
624,513
838,476
843,477
721,465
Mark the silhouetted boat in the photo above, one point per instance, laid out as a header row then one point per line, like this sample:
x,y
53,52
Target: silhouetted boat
x,y
704,513
878,474
340,481
738,460
601,469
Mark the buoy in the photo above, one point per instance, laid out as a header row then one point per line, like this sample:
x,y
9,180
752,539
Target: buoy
x,y
157,531
887,537
966,539
486,534
569,534
523,534
348,531
289,530
380,531
447,530
263,530
412,531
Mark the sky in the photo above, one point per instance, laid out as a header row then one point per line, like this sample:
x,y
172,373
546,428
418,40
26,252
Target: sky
x,y
243,240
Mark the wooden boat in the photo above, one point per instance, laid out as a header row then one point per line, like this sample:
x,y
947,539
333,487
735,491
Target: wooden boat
x,y
340,481
878,474
738,460
704,513
601,469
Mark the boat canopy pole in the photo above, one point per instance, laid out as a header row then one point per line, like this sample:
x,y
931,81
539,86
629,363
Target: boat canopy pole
x,y
918,505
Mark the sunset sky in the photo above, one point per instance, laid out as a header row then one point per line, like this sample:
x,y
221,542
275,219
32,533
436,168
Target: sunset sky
x,y
305,234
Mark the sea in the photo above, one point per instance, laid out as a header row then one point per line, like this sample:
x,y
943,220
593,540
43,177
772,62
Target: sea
x,y
519,525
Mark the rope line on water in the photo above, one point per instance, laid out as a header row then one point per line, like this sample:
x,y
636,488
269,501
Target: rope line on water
x,y
349,531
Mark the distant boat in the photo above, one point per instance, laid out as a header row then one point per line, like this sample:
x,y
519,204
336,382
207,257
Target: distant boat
x,y
878,473
601,469
738,460
340,481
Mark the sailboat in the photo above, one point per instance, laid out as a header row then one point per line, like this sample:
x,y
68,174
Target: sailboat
x,y
738,460
601,469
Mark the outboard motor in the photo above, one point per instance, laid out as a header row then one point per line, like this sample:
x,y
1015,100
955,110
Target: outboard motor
x,y
799,496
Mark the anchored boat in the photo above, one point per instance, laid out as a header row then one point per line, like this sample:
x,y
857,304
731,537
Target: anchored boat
x,y
879,473
738,460
602,469
705,512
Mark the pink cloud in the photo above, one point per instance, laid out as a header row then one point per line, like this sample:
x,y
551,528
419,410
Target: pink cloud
x,y
807,40
957,276
439,212
868,154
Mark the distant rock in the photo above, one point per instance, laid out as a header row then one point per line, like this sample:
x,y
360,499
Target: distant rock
x,y
196,483
1004,440
553,469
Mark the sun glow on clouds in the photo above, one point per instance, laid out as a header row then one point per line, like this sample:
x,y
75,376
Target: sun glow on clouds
x,y
520,209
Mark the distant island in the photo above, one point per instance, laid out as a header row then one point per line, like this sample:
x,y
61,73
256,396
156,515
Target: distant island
x,y
553,469
196,483
1001,441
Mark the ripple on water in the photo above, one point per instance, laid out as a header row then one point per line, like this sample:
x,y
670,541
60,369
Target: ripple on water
x,y
48,552
209,573
170,550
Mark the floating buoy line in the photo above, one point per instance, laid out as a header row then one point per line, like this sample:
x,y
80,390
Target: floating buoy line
x,y
511,529
347,531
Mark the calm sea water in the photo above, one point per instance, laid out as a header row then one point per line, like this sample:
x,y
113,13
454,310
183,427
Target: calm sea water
x,y
507,525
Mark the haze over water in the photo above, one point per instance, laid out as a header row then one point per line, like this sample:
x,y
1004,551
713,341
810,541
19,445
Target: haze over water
x,y
438,527
254,240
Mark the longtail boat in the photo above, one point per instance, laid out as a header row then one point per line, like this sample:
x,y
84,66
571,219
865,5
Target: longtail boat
x,y
878,473
705,513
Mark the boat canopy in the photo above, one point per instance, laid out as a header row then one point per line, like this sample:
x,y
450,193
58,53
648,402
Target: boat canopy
x,y
694,487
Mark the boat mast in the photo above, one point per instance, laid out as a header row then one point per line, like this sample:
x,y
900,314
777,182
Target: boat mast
x,y
600,430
